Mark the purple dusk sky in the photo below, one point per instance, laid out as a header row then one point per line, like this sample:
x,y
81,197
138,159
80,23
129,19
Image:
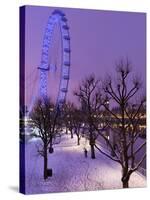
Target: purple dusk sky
x,y
98,40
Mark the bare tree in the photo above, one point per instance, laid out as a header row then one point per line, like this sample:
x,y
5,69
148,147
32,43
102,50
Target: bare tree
x,y
68,110
124,121
77,123
44,117
90,99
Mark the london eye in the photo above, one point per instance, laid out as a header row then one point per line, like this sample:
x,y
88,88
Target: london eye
x,y
59,20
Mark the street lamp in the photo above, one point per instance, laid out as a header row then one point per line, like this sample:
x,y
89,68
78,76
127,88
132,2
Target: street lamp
x,y
107,103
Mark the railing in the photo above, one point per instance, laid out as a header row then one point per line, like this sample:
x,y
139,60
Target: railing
x,y
142,171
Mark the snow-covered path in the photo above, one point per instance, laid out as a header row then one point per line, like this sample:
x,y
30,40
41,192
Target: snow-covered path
x,y
72,171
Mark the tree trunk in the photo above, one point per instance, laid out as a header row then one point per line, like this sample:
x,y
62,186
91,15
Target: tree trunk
x,y
71,133
125,178
45,161
92,151
78,139
92,143
66,130
125,183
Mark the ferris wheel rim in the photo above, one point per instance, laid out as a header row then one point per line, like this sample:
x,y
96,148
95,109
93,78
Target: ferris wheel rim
x,y
57,17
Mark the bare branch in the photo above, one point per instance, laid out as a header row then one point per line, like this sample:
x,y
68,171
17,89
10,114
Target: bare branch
x,y
112,113
109,156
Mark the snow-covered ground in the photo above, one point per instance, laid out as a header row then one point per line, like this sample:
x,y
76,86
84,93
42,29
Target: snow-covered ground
x,y
72,171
